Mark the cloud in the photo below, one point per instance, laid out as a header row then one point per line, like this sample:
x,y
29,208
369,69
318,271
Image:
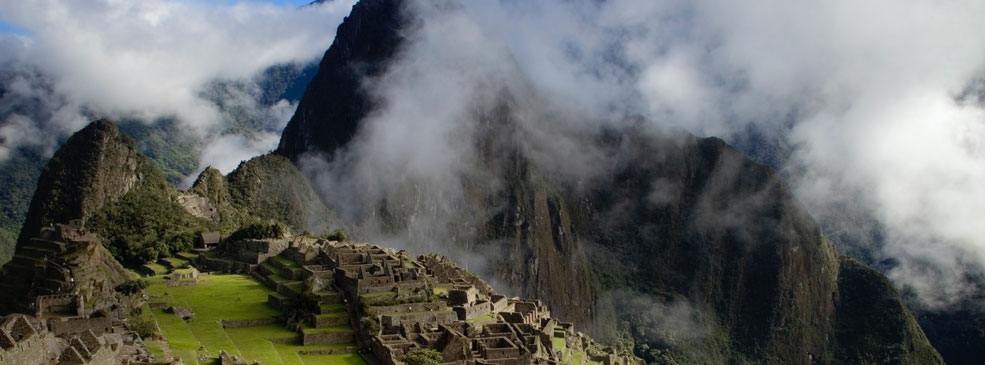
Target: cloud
x,y
871,93
146,60
877,102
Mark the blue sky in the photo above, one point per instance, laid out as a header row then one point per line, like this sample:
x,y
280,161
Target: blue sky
x,y
7,28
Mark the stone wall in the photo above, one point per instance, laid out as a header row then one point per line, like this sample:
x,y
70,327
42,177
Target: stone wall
x,y
278,302
206,263
500,303
404,308
59,303
65,326
328,321
22,342
248,323
424,317
326,338
468,312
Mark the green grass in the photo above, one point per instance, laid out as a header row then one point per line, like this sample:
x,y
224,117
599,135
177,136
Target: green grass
x,y
350,358
190,256
175,262
286,262
332,315
158,269
229,297
180,339
155,349
332,307
235,297
577,356
438,291
308,330
485,317
296,286
558,343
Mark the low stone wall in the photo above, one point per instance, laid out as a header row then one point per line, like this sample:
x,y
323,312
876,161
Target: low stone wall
x,y
277,302
294,339
424,317
478,309
248,323
336,351
287,292
405,308
266,281
322,321
326,338
205,263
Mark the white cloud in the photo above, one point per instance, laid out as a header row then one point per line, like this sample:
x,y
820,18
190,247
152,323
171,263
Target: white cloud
x,y
869,89
149,59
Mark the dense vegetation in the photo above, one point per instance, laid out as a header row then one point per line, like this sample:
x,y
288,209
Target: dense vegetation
x,y
147,223
422,357
18,177
259,231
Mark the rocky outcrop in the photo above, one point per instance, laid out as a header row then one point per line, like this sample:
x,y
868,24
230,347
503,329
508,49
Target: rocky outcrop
x,y
96,166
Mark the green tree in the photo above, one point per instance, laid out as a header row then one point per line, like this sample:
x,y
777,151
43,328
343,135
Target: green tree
x,y
422,357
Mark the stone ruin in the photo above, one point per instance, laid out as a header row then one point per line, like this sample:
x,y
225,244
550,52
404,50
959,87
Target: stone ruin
x,y
427,303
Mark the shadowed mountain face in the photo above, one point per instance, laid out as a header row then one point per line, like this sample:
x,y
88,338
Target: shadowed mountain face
x,y
682,246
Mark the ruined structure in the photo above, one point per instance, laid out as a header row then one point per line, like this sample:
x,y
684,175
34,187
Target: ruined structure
x,y
65,279
392,304
26,340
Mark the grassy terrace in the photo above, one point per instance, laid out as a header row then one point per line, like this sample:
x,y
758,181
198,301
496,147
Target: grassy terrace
x,y
488,317
308,330
332,315
286,262
175,262
231,297
332,307
190,256
277,274
558,343
158,269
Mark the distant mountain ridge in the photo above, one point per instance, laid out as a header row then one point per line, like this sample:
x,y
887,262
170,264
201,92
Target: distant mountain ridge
x,y
682,220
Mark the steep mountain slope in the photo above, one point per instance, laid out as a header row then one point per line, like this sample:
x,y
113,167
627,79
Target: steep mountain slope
x,y
683,222
363,42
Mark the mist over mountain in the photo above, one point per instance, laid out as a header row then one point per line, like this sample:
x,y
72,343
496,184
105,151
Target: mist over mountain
x,y
450,144
533,141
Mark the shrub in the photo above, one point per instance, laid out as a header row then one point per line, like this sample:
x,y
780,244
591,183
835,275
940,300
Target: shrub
x,y
336,235
259,231
422,357
131,287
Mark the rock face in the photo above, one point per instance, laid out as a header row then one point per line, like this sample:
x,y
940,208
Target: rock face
x,y
367,38
684,222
